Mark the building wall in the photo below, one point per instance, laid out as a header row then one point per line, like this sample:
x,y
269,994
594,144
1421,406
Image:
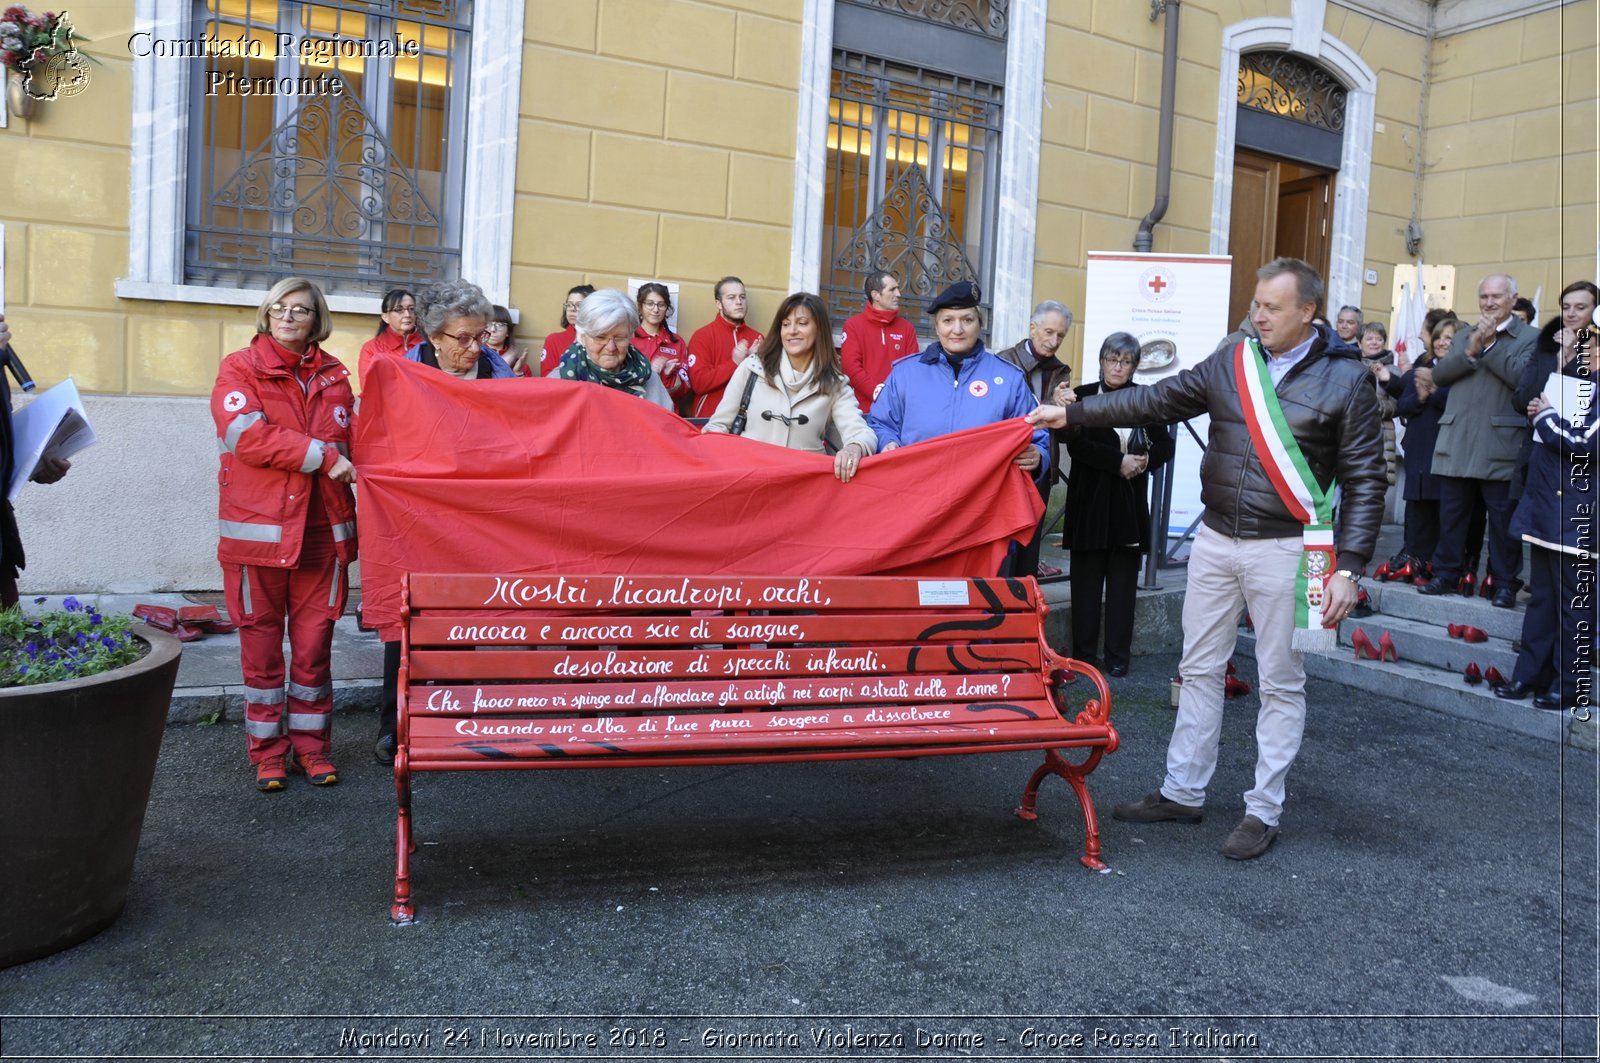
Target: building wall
x,y
657,137
657,140
1510,179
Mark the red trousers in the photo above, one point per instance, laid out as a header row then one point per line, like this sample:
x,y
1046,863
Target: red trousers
x,y
310,597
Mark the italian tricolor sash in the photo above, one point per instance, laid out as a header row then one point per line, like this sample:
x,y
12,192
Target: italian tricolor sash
x,y
1291,475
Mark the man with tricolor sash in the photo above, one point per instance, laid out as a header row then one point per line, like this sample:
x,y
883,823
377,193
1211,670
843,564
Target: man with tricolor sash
x,y
1292,483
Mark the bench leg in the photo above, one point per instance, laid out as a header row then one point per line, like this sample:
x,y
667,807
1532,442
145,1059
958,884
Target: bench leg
x,y
1074,774
403,913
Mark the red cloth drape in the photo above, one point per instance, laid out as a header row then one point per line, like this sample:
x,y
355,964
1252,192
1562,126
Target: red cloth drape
x,y
545,476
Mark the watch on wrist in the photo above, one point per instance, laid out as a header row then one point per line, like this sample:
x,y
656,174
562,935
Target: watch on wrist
x,y
1351,576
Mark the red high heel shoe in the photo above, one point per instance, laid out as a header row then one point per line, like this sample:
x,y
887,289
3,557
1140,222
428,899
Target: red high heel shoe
x,y
1472,675
1424,575
1486,589
1386,648
1231,669
1234,687
1363,646
1493,677
1467,585
1455,630
1473,634
1383,575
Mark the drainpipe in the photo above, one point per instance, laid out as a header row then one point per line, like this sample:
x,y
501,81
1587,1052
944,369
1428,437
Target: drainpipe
x,y
1144,239
1414,225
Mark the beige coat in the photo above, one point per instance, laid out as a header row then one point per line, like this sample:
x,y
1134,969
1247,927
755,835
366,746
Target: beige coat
x,y
835,418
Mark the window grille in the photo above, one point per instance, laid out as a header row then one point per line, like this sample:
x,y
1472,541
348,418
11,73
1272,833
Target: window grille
x,y
987,17
359,190
1290,87
912,181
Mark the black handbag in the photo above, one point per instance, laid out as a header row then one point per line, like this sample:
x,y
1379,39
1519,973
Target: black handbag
x,y
739,419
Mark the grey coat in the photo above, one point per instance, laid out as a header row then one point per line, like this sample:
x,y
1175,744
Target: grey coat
x,y
1481,430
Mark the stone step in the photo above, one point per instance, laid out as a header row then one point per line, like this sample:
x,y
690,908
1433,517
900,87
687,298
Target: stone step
x,y
1402,600
1411,683
1427,643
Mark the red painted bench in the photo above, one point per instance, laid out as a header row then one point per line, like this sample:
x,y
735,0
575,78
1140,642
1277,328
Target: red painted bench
x,y
503,672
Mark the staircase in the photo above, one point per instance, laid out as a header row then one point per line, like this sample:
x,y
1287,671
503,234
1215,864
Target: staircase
x,y
1430,671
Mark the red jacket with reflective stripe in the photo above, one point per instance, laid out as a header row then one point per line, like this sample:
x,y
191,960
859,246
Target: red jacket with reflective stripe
x,y
668,343
387,343
711,361
869,349
277,440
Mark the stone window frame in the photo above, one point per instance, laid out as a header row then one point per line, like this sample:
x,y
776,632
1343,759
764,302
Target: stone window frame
x,y
1348,229
159,166
1019,159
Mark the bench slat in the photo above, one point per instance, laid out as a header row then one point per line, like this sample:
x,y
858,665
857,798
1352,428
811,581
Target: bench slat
x,y
523,629
946,658
488,699
552,593
439,740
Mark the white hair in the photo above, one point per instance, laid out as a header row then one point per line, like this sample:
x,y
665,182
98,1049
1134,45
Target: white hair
x,y
604,310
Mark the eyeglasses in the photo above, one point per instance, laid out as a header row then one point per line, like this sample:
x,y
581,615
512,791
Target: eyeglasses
x,y
277,312
407,308
655,304
466,339
575,304
1118,363
498,326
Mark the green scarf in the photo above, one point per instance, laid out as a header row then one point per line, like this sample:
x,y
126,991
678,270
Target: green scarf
x,y
632,375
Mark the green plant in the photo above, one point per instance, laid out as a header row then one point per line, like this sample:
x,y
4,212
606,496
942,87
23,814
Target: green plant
x,y
67,643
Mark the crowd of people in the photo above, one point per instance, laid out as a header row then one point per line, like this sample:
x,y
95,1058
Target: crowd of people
x,y
1296,405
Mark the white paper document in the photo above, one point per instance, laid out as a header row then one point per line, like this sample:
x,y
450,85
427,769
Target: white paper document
x,y
54,425
1569,396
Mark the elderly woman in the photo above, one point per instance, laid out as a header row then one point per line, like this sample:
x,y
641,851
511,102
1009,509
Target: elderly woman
x,y
397,329
282,409
603,354
1420,407
454,317
792,392
1108,513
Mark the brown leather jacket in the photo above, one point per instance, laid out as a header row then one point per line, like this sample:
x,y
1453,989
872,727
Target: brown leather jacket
x,y
1332,410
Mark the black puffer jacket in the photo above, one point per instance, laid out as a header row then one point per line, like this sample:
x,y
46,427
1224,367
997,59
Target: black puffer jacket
x,y
1332,409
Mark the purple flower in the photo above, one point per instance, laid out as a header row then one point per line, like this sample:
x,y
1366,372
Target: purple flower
x,y
94,619
40,600
108,642
71,604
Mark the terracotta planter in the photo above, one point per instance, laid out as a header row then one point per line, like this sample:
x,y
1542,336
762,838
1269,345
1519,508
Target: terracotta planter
x,y
76,762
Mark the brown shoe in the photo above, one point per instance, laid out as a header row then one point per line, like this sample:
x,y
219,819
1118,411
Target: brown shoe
x,y
1154,807
1249,839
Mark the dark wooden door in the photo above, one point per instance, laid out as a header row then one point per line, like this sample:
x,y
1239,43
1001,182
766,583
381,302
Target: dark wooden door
x,y
1304,210
1252,232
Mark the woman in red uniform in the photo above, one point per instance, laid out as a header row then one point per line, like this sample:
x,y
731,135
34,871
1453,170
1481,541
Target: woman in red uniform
x,y
666,350
397,329
288,533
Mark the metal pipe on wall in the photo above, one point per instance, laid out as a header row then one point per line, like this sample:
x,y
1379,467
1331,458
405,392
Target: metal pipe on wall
x,y
1144,239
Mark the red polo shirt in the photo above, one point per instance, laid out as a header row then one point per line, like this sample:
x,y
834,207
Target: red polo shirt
x,y
711,361
873,341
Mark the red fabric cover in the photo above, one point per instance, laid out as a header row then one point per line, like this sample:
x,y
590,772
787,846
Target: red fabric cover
x,y
546,476
386,344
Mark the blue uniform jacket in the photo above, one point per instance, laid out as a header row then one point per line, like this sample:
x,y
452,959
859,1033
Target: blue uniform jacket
x,y
1561,502
924,398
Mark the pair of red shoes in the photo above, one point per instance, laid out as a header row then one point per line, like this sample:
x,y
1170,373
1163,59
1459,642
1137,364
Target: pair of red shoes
x,y
1474,676
1383,651
1233,686
1467,633
186,624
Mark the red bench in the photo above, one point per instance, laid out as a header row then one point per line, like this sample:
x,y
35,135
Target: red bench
x,y
502,672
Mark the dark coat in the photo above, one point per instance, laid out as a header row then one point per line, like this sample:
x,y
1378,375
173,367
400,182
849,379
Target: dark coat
x,y
1559,505
1332,410
1104,509
1422,433
11,558
1544,360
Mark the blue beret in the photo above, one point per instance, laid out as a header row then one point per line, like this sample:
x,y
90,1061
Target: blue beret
x,y
959,296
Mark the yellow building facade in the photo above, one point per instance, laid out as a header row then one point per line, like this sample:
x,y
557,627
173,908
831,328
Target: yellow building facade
x,y
608,141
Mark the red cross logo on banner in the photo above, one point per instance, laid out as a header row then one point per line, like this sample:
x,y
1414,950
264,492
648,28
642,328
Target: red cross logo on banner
x,y
1156,284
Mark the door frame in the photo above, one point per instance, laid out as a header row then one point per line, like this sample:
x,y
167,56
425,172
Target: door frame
x,y
1347,237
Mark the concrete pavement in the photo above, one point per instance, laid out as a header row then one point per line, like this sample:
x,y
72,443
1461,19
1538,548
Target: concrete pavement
x,y
1432,894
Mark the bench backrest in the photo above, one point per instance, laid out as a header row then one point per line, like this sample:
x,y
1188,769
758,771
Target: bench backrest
x,y
527,667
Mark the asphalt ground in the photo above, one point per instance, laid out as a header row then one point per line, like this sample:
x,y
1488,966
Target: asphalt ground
x,y
1432,895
